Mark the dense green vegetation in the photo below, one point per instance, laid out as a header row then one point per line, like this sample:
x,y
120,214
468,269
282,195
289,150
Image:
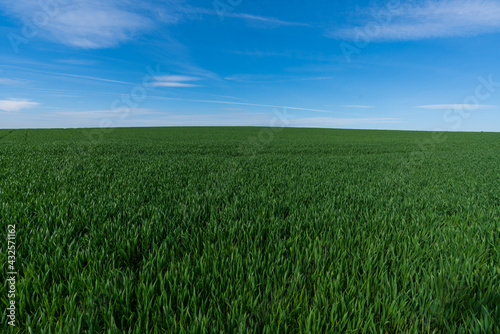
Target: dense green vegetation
x,y
235,230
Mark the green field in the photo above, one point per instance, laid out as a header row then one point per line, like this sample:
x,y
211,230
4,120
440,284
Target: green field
x,y
251,230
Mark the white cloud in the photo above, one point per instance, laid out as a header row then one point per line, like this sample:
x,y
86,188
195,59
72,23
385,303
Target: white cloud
x,y
332,122
16,105
253,119
256,105
268,21
428,19
92,78
94,24
148,117
360,106
234,109
455,106
81,23
80,119
138,117
222,119
172,84
174,81
262,19
244,104
176,78
83,62
270,78
12,82
101,114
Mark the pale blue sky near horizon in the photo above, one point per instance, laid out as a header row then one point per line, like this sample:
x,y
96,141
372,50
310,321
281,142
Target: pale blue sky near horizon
x,y
403,65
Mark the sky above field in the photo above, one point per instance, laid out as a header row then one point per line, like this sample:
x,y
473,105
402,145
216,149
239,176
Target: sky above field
x,y
409,65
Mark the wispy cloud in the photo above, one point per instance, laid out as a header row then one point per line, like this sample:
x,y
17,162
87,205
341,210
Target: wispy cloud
x,y
93,78
294,54
139,117
222,119
332,122
429,19
176,78
150,117
267,21
242,104
85,77
81,119
271,78
13,105
87,24
100,114
263,19
94,24
258,53
256,105
13,82
234,109
359,106
83,62
174,81
30,71
455,106
173,84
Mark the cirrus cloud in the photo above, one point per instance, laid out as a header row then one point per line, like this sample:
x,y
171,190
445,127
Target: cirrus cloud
x,y
13,82
455,106
13,105
427,19
88,24
181,81
359,106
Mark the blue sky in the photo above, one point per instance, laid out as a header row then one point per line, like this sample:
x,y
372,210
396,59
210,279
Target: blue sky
x,y
409,65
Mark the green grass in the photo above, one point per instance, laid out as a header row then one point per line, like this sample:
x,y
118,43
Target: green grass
x,y
213,230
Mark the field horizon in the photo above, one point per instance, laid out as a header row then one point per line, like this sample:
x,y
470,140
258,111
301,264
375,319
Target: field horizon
x,y
242,126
